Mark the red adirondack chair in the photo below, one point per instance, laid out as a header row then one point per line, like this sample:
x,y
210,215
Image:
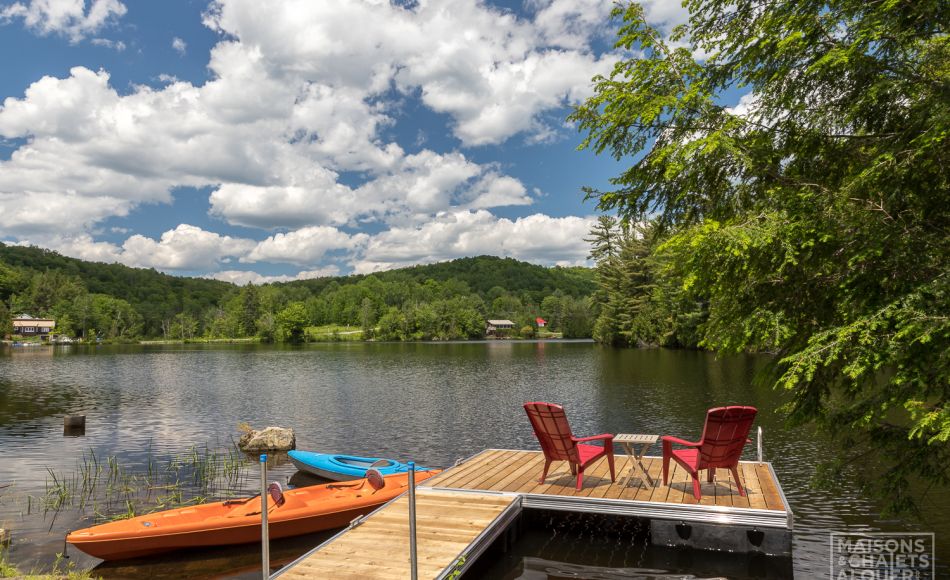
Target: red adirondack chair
x,y
559,444
724,435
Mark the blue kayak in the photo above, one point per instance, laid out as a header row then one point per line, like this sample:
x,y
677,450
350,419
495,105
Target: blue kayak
x,y
344,467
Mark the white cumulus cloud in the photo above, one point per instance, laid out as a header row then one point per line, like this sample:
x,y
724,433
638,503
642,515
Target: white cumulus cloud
x,y
116,45
571,23
493,72
68,18
244,277
180,46
185,248
536,238
304,246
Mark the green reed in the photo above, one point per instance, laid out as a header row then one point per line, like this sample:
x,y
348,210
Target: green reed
x,y
114,490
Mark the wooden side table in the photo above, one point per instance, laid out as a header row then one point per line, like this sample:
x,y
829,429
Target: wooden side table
x,y
628,441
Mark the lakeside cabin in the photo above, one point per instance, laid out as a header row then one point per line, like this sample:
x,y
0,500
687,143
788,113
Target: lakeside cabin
x,y
27,326
499,327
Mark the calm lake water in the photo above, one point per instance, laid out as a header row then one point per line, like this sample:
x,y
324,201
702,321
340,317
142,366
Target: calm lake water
x,y
432,403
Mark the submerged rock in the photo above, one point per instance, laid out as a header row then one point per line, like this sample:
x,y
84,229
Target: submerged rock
x,y
268,439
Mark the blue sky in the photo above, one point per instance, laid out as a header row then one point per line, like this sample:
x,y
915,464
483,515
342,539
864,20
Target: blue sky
x,y
253,140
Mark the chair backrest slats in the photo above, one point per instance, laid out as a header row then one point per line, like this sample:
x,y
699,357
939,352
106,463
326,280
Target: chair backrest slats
x,y
553,431
724,435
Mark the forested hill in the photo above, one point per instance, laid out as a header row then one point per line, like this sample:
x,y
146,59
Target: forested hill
x,y
120,302
152,293
481,274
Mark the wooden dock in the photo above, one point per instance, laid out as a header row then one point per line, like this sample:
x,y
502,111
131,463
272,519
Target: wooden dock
x,y
463,509
518,472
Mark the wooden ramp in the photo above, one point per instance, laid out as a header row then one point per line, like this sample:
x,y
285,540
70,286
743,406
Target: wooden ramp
x,y
450,525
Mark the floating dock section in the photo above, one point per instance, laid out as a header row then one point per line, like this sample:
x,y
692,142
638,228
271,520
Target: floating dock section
x,y
461,511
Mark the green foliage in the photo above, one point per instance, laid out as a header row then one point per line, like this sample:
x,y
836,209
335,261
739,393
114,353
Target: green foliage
x,y
11,280
578,317
267,327
506,307
183,327
393,325
6,321
815,224
639,300
552,309
48,290
249,310
457,569
115,318
367,317
292,321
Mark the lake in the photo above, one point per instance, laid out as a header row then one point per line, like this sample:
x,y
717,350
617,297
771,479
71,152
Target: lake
x,y
149,406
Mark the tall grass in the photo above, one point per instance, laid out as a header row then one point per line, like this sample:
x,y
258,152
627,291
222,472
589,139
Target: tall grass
x,y
59,571
113,490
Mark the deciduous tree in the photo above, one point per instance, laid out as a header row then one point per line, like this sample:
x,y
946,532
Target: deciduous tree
x,y
814,219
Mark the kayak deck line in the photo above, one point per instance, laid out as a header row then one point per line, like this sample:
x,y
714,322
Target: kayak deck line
x,y
462,510
340,467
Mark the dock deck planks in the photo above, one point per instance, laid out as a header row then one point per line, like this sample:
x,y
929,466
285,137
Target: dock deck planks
x,y
518,472
447,523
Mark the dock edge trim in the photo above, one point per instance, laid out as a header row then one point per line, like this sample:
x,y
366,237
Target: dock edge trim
x,y
484,539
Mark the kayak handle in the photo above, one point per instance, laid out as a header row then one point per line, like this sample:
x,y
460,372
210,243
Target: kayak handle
x,y
342,485
240,501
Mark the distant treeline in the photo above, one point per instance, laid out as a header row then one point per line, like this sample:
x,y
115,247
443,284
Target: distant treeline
x,y
450,300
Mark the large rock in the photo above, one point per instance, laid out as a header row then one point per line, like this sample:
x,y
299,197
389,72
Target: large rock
x,y
268,439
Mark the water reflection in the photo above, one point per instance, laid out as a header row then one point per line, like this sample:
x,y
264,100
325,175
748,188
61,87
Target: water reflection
x,y
431,403
736,567
212,563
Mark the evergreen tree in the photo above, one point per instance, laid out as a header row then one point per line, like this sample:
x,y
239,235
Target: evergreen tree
x,y
367,317
250,310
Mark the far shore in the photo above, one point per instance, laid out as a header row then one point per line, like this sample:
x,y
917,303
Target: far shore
x,y
345,336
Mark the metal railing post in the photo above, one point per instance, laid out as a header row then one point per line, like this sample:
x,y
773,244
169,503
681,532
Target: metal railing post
x,y
758,445
413,561
265,539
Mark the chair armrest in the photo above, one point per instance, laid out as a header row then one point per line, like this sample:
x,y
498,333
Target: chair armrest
x,y
678,441
602,436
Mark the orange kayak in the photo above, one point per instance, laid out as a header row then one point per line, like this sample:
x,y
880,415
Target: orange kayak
x,y
305,510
